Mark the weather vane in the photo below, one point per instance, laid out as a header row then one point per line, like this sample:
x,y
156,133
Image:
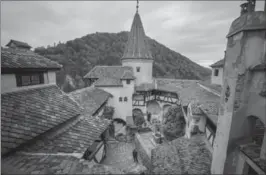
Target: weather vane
x,y
137,5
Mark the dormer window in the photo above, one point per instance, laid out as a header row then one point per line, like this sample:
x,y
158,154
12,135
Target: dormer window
x,y
216,72
29,79
128,81
138,69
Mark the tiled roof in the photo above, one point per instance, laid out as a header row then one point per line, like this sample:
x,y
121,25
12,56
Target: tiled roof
x,y
13,58
128,76
174,85
137,45
208,101
19,44
196,93
219,63
115,72
75,139
216,88
145,87
195,109
182,156
90,98
211,108
28,113
53,164
110,75
106,82
169,85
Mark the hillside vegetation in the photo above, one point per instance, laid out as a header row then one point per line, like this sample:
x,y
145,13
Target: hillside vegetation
x,y
80,55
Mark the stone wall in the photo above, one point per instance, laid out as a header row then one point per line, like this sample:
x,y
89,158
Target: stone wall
x,y
142,154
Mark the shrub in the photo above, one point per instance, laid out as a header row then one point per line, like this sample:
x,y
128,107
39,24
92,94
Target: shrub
x,y
174,124
108,112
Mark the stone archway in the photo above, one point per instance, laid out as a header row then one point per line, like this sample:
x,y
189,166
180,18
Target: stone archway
x,y
153,107
254,128
138,117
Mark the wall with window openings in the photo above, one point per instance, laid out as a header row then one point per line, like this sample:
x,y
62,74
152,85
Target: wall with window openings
x,y
142,69
14,82
217,76
122,99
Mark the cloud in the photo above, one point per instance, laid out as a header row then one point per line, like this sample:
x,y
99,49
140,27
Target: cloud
x,y
193,28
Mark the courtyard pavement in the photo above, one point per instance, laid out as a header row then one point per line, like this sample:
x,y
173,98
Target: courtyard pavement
x,y
119,155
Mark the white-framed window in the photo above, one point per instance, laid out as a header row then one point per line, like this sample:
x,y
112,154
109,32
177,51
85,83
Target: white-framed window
x,y
125,98
120,99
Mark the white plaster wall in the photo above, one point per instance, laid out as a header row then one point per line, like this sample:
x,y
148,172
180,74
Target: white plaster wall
x,y
191,122
121,109
145,74
217,79
9,84
51,77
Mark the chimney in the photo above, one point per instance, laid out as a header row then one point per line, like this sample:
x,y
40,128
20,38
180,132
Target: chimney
x,y
251,5
248,7
243,8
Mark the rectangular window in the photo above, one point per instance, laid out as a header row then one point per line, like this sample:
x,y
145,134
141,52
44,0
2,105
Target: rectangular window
x,y
216,72
128,81
28,79
120,99
125,98
138,69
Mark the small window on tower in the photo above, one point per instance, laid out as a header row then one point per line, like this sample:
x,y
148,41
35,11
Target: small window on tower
x,y
120,98
125,98
138,69
216,72
128,81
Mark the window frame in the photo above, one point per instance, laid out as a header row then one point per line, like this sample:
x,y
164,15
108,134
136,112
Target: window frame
x,y
125,99
20,83
138,69
128,81
120,99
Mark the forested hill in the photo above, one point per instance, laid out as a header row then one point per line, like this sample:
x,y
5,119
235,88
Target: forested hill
x,y
80,55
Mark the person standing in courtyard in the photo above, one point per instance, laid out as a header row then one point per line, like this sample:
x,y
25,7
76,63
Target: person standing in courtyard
x,y
135,155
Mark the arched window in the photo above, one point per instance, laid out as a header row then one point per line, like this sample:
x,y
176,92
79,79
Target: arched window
x,y
125,98
120,99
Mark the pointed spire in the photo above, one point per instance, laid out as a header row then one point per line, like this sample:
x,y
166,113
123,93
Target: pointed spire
x,y
137,6
137,45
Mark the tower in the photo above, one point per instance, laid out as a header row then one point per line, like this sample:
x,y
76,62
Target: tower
x,y
242,99
137,52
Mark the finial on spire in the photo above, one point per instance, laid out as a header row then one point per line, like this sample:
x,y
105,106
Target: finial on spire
x,y
137,6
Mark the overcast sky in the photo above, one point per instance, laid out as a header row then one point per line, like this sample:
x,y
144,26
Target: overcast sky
x,y
196,29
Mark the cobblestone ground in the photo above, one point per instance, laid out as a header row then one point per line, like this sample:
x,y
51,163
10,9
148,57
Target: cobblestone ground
x,y
119,155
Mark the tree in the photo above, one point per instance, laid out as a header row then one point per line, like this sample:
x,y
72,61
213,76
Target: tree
x,y
108,112
174,123
138,117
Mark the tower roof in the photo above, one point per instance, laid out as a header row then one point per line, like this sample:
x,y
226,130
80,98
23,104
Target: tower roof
x,y
137,46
